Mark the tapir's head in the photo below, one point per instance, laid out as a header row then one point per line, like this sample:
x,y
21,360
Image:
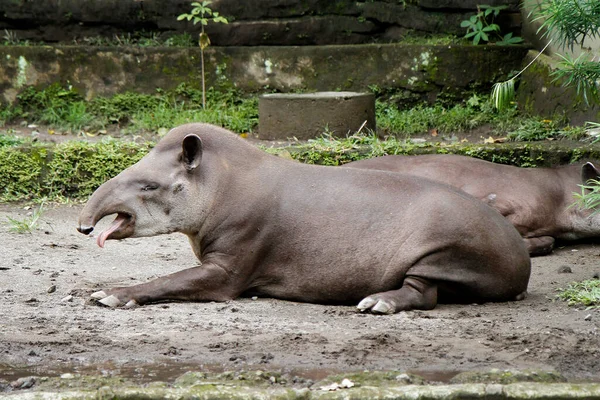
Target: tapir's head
x,y
153,196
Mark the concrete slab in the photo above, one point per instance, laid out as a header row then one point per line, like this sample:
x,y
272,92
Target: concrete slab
x,y
309,115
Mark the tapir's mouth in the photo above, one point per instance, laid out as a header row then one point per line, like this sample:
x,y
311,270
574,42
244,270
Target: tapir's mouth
x,y
121,227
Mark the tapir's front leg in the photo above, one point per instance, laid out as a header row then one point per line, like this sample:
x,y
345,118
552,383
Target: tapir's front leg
x,y
208,282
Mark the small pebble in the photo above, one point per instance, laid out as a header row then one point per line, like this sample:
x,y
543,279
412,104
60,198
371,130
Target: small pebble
x,y
254,297
52,289
588,317
404,378
67,299
565,269
68,375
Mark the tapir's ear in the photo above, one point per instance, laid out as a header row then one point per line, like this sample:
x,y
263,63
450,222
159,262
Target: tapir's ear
x,y
192,152
589,171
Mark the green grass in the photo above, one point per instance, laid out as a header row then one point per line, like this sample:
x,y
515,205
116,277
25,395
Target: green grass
x,y
27,224
63,109
585,293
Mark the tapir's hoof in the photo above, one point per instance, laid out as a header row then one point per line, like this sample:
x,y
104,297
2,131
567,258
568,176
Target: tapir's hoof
x,y
376,306
111,301
132,304
99,295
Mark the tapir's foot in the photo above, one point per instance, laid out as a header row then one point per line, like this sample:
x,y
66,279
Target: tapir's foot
x,y
539,246
377,304
113,301
416,293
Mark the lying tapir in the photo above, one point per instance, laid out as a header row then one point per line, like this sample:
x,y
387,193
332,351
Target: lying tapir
x,y
539,202
262,225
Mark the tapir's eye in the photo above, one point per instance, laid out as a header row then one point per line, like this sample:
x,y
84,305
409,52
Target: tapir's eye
x,y
149,186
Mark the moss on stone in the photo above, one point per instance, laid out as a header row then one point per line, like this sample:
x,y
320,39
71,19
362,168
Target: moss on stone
x,y
71,169
508,376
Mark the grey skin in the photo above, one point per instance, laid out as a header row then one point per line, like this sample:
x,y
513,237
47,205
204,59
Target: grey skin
x,y
539,202
266,226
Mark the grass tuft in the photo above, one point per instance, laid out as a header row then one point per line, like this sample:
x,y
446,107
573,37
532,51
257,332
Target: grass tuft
x,y
27,224
585,293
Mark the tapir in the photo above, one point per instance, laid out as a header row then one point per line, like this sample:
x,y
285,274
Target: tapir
x,y
539,202
265,226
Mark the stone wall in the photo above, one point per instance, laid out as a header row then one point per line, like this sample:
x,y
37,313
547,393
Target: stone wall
x,y
420,72
253,22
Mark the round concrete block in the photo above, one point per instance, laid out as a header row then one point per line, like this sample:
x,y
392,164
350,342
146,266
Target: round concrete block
x,y
309,115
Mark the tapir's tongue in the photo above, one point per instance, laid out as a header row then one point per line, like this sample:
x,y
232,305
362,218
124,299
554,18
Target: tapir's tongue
x,y
113,227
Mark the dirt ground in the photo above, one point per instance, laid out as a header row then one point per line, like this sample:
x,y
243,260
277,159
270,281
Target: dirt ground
x,y
48,326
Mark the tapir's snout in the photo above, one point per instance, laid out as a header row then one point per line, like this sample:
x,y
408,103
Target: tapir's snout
x,y
86,230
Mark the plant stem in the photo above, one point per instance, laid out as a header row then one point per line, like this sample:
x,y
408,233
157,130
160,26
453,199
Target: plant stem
x,y
203,83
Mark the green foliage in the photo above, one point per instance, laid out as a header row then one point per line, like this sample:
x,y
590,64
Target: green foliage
x,y
63,109
473,113
180,40
27,224
11,39
328,150
77,168
585,293
55,106
569,22
20,173
590,195
72,169
536,128
9,140
202,14
582,74
481,27
503,94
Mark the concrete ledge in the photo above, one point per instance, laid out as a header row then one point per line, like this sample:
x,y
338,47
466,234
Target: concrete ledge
x,y
306,116
214,390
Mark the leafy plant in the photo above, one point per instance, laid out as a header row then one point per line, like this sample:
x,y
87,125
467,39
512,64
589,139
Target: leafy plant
x,y
27,224
590,195
568,23
536,128
482,27
585,293
582,74
202,14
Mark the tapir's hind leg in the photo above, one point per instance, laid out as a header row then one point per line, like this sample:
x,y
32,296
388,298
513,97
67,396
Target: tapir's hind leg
x,y
415,293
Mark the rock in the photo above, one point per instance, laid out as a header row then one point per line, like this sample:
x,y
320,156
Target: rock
x,y
52,289
564,269
404,378
67,299
588,317
23,383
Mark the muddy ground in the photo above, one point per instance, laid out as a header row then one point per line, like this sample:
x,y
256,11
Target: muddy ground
x,y
48,326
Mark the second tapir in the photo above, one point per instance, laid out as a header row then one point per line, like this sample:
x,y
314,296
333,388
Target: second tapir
x,y
262,225
539,202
